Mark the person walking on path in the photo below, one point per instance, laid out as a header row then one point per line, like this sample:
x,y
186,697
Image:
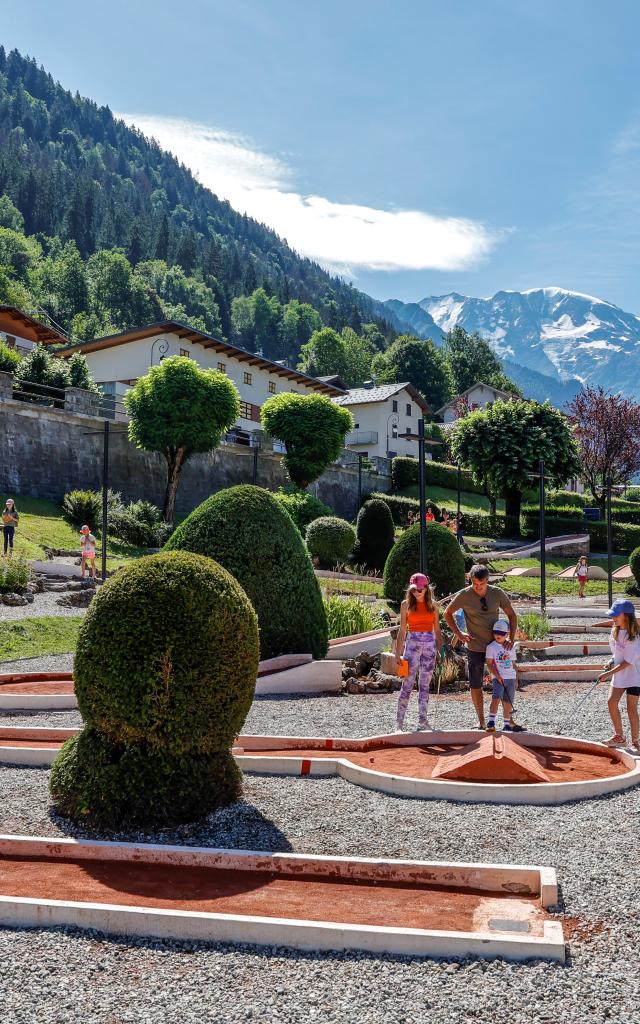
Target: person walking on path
x,y
418,642
624,642
10,519
582,572
88,551
481,605
501,665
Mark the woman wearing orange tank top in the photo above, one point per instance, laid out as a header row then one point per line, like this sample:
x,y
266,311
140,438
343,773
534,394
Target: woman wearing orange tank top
x,y
419,641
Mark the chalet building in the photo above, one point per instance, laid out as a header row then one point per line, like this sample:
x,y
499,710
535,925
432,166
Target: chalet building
x,y
21,332
118,360
478,396
382,413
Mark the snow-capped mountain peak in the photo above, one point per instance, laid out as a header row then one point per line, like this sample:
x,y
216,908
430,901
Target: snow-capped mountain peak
x,y
560,333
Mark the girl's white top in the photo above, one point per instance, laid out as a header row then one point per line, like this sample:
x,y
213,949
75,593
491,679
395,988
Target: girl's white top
x,y
624,649
583,570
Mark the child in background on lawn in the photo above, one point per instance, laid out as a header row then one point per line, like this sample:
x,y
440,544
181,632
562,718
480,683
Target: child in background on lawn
x,y
582,572
88,550
429,516
501,665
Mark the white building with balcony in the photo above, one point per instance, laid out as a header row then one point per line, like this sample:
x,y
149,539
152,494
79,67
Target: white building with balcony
x,y
118,360
478,396
382,413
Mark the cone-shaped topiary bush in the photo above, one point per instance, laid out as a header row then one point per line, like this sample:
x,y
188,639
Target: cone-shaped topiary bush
x,y
165,673
330,540
374,527
445,562
248,532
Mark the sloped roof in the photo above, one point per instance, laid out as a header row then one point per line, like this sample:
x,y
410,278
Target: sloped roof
x,y
207,341
463,395
44,333
380,393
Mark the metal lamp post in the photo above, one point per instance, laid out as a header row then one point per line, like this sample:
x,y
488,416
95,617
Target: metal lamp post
x,y
422,443
543,548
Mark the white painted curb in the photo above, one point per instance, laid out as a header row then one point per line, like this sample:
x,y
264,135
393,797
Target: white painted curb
x,y
300,934
315,677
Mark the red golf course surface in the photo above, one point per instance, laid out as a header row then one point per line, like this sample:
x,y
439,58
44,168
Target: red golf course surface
x,y
419,762
258,893
36,682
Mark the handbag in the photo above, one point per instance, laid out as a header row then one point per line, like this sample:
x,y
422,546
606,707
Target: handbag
x,y
402,667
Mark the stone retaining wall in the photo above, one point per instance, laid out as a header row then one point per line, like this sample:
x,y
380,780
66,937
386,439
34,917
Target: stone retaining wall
x,y
45,452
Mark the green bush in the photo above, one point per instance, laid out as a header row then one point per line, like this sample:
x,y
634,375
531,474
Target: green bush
x,y
634,564
566,498
534,626
139,524
301,506
347,616
405,472
330,540
633,494
444,559
311,427
400,507
624,537
555,526
165,671
375,533
83,507
9,358
14,575
246,529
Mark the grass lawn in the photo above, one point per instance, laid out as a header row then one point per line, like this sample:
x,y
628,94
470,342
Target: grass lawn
x,y
31,638
443,496
351,588
530,586
42,526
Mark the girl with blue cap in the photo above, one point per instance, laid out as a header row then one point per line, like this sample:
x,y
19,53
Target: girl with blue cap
x,y
624,642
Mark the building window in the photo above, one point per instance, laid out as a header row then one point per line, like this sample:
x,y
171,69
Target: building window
x,y
394,406
246,377
408,408
356,426
10,340
245,410
222,367
272,387
185,352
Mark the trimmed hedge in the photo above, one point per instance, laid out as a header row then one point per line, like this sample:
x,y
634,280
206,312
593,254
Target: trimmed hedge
x,y
165,672
246,530
374,527
302,506
633,494
405,471
555,526
444,558
625,537
634,564
330,540
571,498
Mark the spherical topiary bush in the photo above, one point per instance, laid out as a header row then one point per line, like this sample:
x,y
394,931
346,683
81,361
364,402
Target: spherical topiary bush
x,y
374,527
248,532
445,562
330,540
165,672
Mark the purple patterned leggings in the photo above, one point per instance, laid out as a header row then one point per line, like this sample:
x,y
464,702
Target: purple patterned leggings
x,y
420,652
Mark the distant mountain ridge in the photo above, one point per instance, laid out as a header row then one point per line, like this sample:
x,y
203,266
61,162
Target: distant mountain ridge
x,y
549,338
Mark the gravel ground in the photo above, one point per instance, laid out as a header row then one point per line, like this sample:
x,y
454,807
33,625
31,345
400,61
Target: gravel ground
x,y
57,977
43,604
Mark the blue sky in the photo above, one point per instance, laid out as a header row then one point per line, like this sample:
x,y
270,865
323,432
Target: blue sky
x,y
418,147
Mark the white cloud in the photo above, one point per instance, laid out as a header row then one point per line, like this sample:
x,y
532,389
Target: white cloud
x,y
341,236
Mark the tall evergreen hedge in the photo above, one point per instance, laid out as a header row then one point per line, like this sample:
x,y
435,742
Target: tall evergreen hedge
x,y
247,531
444,557
375,532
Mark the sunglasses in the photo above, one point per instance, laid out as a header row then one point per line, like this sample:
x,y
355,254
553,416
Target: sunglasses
x,y
483,604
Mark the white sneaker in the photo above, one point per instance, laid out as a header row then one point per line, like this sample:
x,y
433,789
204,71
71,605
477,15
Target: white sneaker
x,y
424,727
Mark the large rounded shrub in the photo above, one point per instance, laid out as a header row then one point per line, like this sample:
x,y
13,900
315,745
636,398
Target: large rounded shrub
x,y
445,562
165,672
330,540
248,532
634,565
374,527
301,506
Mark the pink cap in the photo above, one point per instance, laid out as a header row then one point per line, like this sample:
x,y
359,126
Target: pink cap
x,y
85,529
419,581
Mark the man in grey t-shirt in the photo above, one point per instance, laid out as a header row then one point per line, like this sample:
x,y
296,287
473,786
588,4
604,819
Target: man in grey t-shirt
x,y
481,605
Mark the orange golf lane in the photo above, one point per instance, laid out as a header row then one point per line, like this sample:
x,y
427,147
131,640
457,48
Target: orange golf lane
x,y
264,894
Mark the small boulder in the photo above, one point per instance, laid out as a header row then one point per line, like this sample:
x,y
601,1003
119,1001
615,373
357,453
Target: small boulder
x,y
14,600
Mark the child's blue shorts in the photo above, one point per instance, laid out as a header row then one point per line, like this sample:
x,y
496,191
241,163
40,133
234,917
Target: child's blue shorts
x,y
504,691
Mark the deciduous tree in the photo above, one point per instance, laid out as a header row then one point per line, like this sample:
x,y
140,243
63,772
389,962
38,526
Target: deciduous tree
x,y
179,410
421,364
607,429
